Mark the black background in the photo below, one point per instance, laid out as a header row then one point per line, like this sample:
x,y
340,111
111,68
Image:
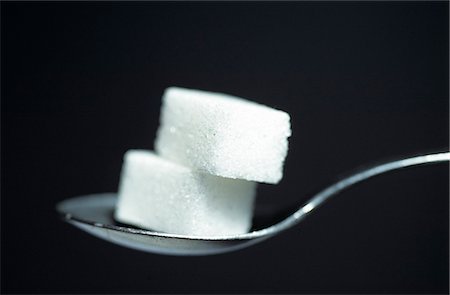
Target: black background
x,y
363,82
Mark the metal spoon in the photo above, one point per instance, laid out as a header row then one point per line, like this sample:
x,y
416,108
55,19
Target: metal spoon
x,y
93,214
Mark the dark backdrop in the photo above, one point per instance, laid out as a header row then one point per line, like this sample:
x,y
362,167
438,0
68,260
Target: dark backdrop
x,y
363,82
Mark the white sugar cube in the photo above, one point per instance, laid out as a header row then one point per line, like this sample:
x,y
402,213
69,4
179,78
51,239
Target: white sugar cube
x,y
223,135
157,194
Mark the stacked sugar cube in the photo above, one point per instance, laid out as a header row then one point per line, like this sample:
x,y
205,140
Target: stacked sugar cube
x,y
211,150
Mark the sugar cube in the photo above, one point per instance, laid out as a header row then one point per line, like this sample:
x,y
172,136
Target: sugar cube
x,y
223,135
157,194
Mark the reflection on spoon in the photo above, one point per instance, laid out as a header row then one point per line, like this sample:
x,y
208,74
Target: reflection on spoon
x,y
93,214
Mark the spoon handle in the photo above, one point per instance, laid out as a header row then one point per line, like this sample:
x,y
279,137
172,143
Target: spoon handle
x,y
325,194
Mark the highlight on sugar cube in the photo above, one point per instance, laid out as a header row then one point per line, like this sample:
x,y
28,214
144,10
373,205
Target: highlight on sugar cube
x,y
223,135
157,194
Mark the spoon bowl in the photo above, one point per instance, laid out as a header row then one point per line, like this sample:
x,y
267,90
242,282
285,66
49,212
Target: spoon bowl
x,y
94,214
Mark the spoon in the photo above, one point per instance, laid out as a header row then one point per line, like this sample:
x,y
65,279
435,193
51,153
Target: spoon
x,y
94,214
